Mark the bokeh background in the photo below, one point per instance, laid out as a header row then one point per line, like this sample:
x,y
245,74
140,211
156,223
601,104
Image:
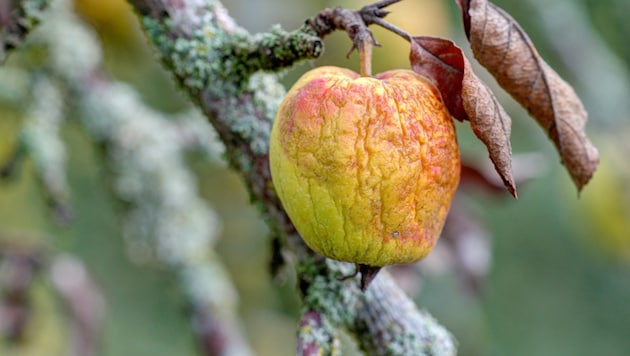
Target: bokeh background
x,y
558,279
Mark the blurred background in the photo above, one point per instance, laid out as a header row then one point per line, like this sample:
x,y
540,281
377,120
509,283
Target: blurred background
x,y
547,274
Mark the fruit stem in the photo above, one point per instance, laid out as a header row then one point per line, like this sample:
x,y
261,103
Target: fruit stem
x,y
365,56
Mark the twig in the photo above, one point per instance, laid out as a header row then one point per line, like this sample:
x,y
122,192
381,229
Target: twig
x,y
353,22
41,138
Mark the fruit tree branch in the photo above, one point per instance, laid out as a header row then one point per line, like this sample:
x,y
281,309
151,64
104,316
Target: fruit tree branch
x,y
217,63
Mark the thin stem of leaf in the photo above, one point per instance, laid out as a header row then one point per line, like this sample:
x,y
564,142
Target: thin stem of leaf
x,y
384,3
395,29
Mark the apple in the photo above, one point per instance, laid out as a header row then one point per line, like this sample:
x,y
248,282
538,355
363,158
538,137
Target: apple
x,y
365,167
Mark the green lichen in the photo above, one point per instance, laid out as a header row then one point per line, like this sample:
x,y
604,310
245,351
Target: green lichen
x,y
401,328
317,334
278,49
219,65
211,59
196,60
41,138
328,291
268,92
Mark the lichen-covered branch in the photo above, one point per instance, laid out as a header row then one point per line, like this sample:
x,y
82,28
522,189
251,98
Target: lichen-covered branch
x,y
17,19
41,139
400,329
316,336
204,49
383,318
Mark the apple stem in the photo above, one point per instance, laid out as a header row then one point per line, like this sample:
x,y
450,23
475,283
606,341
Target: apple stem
x,y
365,57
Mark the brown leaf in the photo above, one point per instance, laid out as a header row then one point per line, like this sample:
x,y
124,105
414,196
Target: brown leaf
x,y
443,62
503,47
467,97
490,123
464,5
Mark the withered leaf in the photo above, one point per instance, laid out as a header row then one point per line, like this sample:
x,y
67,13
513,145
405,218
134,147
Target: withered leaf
x,y
502,46
443,62
466,97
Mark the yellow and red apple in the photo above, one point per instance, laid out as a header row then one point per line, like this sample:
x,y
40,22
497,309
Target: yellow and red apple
x,y
365,167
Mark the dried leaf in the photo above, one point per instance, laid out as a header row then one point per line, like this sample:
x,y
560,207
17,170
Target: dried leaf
x,y
467,97
443,62
503,47
464,5
490,123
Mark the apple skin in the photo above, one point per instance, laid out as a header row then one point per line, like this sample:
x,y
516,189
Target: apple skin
x,y
365,167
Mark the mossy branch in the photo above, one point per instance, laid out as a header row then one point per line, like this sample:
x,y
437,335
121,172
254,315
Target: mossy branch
x,y
217,63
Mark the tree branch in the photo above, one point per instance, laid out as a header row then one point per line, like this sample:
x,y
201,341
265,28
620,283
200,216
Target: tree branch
x,y
316,335
215,61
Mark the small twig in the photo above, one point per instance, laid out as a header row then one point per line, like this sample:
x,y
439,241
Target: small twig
x,y
382,4
393,28
354,22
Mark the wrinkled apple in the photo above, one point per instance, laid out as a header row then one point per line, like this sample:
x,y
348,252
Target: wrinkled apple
x,y
365,167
